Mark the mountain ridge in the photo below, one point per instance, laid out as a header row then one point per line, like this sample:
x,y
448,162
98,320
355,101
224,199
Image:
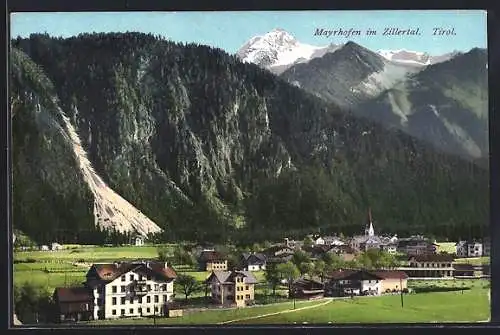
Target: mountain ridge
x,y
234,139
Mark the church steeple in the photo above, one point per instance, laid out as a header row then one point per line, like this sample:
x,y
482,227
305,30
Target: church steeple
x,y
369,227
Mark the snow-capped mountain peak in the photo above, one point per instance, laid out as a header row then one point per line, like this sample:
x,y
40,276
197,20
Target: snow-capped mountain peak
x,y
406,56
277,49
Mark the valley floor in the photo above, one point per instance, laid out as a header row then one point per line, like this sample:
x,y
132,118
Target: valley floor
x,y
467,306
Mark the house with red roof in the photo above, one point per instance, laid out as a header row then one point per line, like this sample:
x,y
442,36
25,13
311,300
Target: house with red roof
x,y
124,289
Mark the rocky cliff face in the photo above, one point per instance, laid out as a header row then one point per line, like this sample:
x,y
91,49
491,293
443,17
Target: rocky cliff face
x,y
206,147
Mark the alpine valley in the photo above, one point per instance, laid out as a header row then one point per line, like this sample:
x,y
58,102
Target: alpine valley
x,y
129,132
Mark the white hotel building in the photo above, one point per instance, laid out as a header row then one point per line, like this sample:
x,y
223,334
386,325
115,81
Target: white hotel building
x,y
130,289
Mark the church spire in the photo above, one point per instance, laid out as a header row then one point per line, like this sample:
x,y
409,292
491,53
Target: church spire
x,y
369,230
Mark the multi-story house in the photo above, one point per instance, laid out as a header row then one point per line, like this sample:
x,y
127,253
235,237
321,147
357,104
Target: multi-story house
x,y
232,288
362,282
254,261
73,303
439,265
469,249
486,247
130,289
212,260
416,246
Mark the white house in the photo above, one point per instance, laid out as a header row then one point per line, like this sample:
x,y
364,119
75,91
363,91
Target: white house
x,y
332,240
139,241
474,249
319,241
131,289
44,248
469,249
56,246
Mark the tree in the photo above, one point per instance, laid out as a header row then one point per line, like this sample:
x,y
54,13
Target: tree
x,y
290,272
32,302
308,241
300,257
272,276
188,284
163,254
333,262
319,269
306,268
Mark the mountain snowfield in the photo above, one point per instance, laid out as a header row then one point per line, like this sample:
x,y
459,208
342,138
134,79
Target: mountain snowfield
x,y
278,50
111,211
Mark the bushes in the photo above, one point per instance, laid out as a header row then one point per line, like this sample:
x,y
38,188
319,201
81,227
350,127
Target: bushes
x,y
33,303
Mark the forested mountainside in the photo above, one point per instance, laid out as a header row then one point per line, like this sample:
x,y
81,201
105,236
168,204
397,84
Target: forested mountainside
x,y
210,148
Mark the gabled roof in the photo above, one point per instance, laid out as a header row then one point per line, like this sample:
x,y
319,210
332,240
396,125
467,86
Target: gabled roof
x,y
390,274
207,256
111,271
227,277
254,258
72,294
353,275
273,249
307,284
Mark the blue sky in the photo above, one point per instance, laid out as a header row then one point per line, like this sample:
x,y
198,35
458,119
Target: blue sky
x,y
230,30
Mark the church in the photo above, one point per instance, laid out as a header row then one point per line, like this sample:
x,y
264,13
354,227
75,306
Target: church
x,y
369,240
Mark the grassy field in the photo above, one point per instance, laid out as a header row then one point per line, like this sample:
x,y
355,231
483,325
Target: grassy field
x,y
90,254
212,316
448,247
469,306
474,260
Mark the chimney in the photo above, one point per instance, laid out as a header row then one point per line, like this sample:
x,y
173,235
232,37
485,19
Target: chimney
x,y
166,264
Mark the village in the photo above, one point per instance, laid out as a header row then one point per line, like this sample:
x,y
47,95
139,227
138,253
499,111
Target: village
x,y
314,268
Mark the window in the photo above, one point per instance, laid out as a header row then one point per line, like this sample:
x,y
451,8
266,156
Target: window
x,y
123,301
156,298
122,289
113,289
156,309
148,299
139,310
141,277
113,312
122,312
247,296
149,287
149,277
140,300
131,311
123,278
157,287
113,301
132,277
131,300
164,287
246,287
165,298
148,310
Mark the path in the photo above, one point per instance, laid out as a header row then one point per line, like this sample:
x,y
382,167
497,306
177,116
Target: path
x,y
329,300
